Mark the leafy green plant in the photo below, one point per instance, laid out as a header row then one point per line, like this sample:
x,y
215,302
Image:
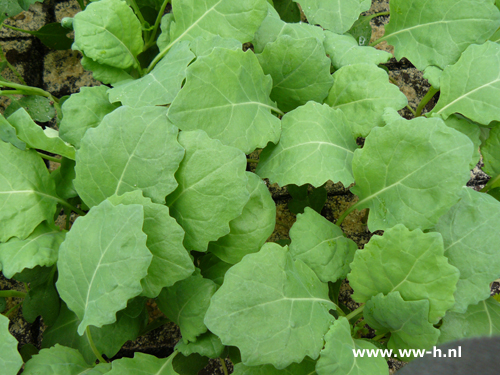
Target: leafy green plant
x,y
154,167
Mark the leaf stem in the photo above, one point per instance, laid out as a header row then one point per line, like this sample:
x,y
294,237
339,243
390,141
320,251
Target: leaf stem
x,y
377,338
430,94
50,158
12,293
224,367
387,13
29,90
11,92
18,29
11,67
344,215
93,347
71,207
152,37
137,12
411,110
7,313
252,160
356,312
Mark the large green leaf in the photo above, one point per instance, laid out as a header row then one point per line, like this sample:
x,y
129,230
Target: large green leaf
x,y
143,364
470,87
132,149
362,92
212,189
405,320
27,193
203,46
40,248
344,50
410,172
109,33
316,145
336,16
35,137
287,293
306,367
10,359
102,261
83,111
108,339
409,262
482,319
337,357
158,87
252,228
437,32
300,71
171,262
227,18
227,95
321,245
207,345
491,152
60,360
471,238
186,302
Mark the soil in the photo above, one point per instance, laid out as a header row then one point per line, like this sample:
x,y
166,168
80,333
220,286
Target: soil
x,y
61,73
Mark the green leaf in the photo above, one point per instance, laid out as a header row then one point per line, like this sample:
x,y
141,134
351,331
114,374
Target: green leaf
x,y
491,152
63,178
409,262
8,134
40,248
273,27
186,302
11,8
143,364
35,137
482,319
405,320
83,111
302,198
204,45
362,92
226,18
416,178
471,237
306,367
171,261
213,268
471,130
470,86
336,16
321,245
108,339
101,263
437,32
337,357
288,10
250,230
27,193
42,300
160,86
316,145
227,95
58,360
53,35
100,33
345,50
28,351
288,293
212,189
10,360
38,107
145,158
190,365
105,73
300,71
207,345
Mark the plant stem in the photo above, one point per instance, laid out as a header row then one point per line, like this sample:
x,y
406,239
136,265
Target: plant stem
x,y
252,160
344,215
48,157
430,94
224,367
11,67
152,37
28,90
137,11
11,92
71,207
21,30
12,293
11,310
411,110
379,14
93,347
356,312
376,338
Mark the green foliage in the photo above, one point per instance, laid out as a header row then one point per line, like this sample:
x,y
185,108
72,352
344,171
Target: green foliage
x,y
168,207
